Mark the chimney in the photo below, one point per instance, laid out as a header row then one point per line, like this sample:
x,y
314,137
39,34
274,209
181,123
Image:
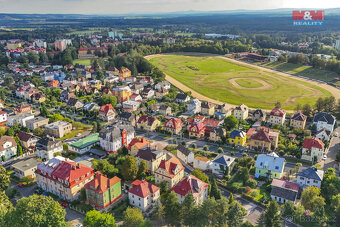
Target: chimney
x,y
78,166
143,140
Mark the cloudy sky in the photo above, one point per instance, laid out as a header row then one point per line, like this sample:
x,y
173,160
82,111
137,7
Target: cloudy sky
x,y
152,6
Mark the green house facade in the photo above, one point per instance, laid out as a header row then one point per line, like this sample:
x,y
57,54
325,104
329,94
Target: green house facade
x,y
102,191
269,165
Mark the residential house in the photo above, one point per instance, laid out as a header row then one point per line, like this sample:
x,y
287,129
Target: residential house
x,y
193,185
107,112
163,85
269,165
115,136
148,123
36,122
182,97
196,130
136,144
222,165
298,120
84,144
185,154
310,176
262,138
136,88
148,93
58,129
136,98
47,147
27,140
152,158
173,125
65,96
217,133
193,107
20,119
312,149
127,118
258,115
76,103
22,108
102,191
131,105
207,108
161,93
124,72
143,195
201,163
241,112
284,191
3,116
277,116
64,179
324,120
165,110
25,168
170,171
53,83
91,106
122,93
323,134
8,147
238,137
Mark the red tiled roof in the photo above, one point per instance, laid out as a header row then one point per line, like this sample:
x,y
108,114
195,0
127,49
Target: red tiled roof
x,y
139,142
190,184
70,171
285,184
299,117
149,119
101,183
171,165
105,108
261,135
211,122
313,142
199,126
277,112
143,188
176,122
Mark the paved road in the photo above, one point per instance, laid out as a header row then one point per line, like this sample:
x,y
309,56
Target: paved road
x,y
334,146
74,217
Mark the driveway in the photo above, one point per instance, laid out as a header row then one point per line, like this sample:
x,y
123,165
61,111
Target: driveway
x,y
74,217
334,146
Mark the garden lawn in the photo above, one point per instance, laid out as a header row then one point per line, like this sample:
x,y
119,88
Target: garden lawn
x,y
82,62
210,76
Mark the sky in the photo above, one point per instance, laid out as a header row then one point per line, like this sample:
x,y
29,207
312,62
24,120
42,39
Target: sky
x,y
153,6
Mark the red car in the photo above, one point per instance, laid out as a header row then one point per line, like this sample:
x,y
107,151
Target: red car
x,y
20,185
63,204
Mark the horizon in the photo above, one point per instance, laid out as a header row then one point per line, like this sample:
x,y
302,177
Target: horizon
x,y
147,7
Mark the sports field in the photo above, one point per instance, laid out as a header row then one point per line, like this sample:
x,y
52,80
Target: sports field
x,y
221,79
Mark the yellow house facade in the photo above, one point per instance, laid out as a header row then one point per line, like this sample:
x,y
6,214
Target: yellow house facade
x,y
148,123
238,137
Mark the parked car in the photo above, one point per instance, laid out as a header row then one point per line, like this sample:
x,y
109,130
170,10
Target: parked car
x,y
63,204
324,157
20,185
336,134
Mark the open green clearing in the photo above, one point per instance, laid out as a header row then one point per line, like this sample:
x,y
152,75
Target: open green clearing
x,y
82,62
302,70
210,77
249,83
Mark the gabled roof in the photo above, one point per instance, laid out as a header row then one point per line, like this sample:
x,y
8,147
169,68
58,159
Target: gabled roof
x,y
258,111
270,162
284,189
149,119
199,126
325,117
101,183
237,133
139,143
181,96
106,108
143,188
261,135
190,184
70,171
313,142
312,173
225,160
299,117
171,165
149,155
24,136
277,112
5,139
176,122
183,150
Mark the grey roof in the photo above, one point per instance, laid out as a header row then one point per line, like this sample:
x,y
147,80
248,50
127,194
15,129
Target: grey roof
x,y
125,116
258,111
36,119
237,133
218,131
48,143
181,96
270,162
26,165
312,173
326,117
115,131
148,154
284,193
183,150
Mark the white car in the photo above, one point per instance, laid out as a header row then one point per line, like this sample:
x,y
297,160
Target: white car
x,y
324,157
336,134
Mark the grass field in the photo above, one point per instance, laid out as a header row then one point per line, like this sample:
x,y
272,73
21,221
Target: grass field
x,y
229,82
82,62
302,70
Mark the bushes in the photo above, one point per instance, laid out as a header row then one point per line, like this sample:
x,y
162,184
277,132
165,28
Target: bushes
x,y
251,183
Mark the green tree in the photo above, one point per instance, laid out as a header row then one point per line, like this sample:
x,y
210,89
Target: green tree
x,y
37,210
129,168
330,185
43,111
235,214
133,217
10,132
320,215
288,209
311,199
278,105
230,122
107,99
271,216
94,128
158,214
94,218
142,168
215,191
19,150
200,175
5,207
307,110
4,179
172,210
187,208
231,198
